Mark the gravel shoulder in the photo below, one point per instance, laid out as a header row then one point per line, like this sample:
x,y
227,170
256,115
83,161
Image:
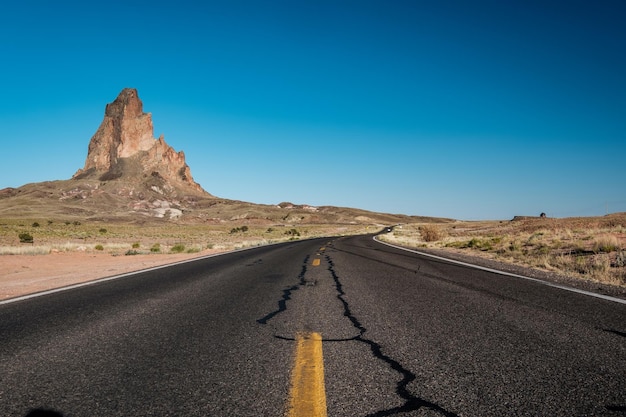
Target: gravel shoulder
x,y
540,274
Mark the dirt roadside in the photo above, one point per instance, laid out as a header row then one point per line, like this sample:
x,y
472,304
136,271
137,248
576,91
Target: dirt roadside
x,y
28,274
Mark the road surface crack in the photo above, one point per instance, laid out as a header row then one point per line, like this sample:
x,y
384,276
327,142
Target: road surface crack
x,y
411,402
282,303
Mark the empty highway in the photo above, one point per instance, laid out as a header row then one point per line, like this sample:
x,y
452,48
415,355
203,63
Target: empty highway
x,y
399,334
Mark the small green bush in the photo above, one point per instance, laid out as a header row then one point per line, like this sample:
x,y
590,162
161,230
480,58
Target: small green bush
x,y
484,245
26,238
156,248
99,247
178,248
131,252
35,224
458,244
102,231
136,245
474,243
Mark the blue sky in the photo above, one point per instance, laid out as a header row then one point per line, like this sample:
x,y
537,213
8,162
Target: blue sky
x,y
461,109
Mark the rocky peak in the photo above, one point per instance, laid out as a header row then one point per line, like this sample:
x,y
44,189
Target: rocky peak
x,y
124,146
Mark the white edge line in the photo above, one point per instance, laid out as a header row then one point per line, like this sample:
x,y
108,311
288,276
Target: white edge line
x,y
495,271
127,274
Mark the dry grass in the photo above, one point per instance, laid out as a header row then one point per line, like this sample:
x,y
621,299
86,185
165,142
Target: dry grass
x,y
588,248
153,238
431,232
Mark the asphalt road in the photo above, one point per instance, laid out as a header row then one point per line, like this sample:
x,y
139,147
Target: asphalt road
x,y
402,335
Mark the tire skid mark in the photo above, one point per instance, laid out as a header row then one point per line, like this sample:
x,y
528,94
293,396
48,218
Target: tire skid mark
x,y
282,303
412,403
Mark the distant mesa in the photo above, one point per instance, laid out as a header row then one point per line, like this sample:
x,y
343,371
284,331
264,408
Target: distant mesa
x,y
124,147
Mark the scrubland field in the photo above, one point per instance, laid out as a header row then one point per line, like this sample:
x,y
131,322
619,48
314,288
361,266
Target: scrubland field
x,y
40,237
37,255
590,248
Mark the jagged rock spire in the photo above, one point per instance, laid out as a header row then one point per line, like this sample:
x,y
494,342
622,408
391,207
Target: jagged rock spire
x,y
124,146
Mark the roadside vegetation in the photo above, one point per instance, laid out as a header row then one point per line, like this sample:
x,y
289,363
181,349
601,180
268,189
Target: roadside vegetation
x,y
591,248
44,236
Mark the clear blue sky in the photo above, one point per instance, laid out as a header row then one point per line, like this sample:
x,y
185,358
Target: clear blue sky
x,y
463,109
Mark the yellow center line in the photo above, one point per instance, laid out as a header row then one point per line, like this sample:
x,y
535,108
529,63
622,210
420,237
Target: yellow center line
x,y
307,396
316,262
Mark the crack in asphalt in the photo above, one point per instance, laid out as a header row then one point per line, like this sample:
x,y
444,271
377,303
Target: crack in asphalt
x,y
412,403
282,303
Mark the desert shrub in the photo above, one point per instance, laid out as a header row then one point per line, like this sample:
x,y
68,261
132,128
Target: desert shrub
x,y
25,238
131,252
99,247
102,231
515,246
474,243
484,245
458,244
35,224
156,248
431,233
581,265
606,244
269,230
601,264
76,223
50,222
210,245
193,250
136,245
178,248
292,232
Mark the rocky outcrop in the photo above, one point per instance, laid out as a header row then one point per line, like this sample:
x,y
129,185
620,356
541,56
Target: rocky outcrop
x,y
124,147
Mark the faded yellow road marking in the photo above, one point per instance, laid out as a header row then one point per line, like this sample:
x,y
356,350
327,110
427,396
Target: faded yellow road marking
x,y
322,249
307,397
316,262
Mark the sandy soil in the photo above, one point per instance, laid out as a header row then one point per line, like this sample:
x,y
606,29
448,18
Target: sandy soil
x,y
27,274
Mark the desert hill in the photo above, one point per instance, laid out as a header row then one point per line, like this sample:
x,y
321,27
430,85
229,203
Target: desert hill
x,y
130,176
